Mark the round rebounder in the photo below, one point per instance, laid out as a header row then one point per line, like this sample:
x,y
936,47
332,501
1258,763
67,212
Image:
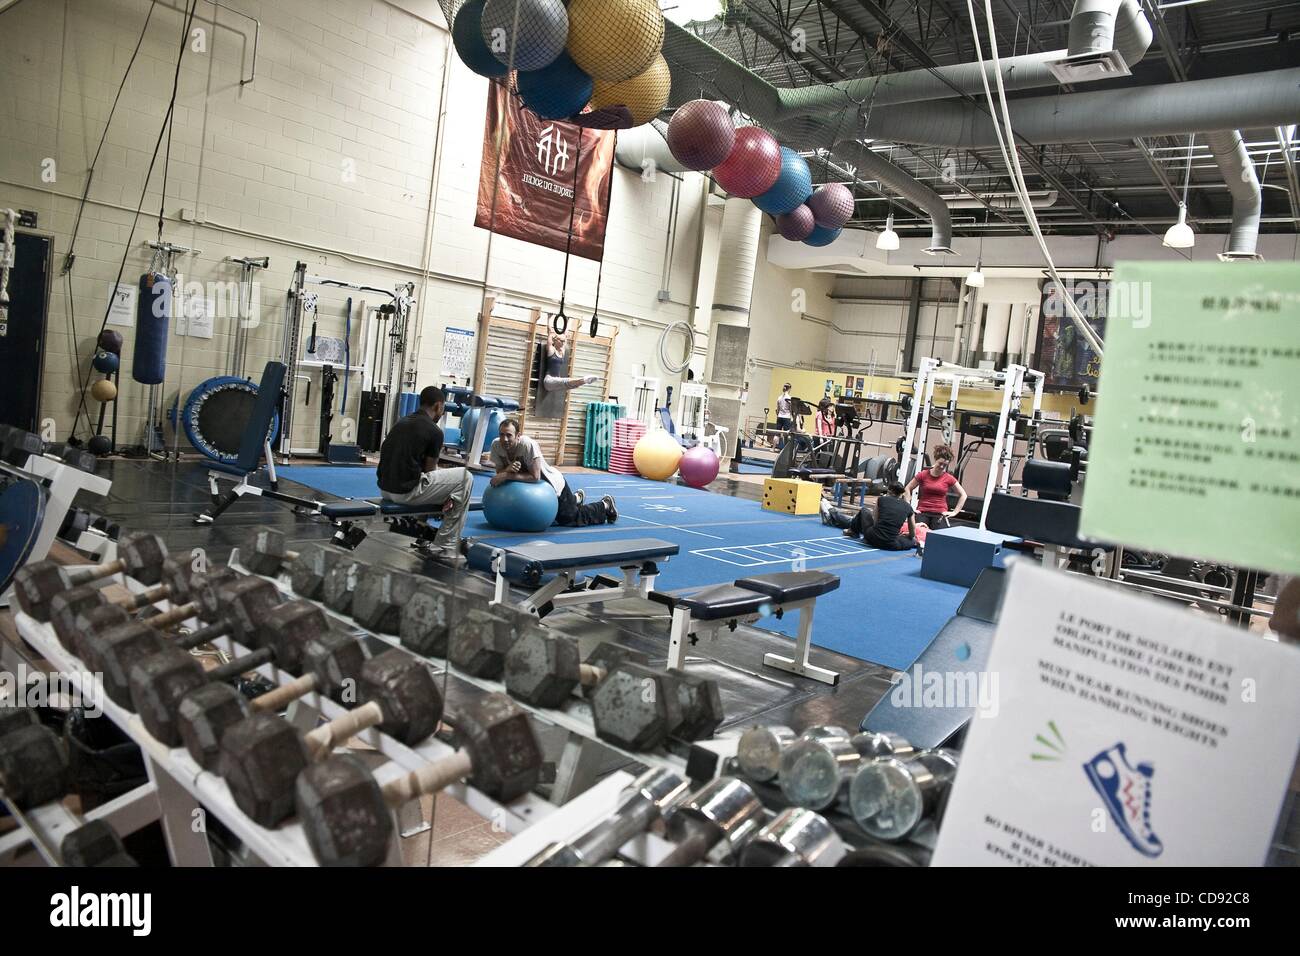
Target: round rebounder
x,y
796,225
699,466
832,205
525,34
792,188
217,414
557,91
520,506
700,135
22,511
467,35
615,40
645,95
657,456
753,165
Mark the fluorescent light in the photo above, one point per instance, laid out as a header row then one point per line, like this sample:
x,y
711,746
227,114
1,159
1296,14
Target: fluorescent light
x,y
1180,235
975,278
682,12
888,240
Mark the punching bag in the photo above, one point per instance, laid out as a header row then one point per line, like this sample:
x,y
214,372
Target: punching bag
x,y
153,316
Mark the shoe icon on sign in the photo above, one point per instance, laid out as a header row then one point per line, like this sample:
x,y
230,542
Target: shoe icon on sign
x,y
1126,792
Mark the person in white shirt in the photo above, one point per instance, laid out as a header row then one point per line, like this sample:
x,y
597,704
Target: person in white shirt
x,y
516,457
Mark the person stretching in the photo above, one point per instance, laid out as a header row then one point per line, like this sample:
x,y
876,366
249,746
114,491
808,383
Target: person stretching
x,y
517,457
408,472
556,366
934,483
892,513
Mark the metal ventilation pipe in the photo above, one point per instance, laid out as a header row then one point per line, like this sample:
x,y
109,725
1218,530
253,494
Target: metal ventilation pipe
x,y
636,146
871,166
1097,26
1247,197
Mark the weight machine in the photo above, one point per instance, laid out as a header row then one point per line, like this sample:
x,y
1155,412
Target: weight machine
x,y
237,356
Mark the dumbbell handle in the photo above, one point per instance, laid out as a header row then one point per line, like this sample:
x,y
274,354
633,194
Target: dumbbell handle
x,y
240,665
177,614
691,850
86,575
589,675
429,779
602,841
324,739
280,698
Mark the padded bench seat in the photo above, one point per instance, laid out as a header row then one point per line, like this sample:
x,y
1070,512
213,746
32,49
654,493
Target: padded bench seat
x,y
367,509
544,556
788,586
718,603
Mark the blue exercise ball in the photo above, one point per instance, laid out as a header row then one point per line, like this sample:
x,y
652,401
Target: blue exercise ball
x,y
520,506
792,188
468,423
105,362
467,35
557,91
821,236
525,34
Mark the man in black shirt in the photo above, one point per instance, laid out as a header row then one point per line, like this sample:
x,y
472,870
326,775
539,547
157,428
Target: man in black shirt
x,y
409,473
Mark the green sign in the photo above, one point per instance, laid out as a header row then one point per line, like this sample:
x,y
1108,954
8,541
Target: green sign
x,y
1195,449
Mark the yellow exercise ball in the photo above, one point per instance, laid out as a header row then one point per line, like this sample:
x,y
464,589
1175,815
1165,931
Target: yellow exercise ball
x,y
103,391
615,40
646,94
657,455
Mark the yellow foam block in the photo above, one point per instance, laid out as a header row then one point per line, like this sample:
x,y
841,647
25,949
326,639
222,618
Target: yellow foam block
x,y
792,496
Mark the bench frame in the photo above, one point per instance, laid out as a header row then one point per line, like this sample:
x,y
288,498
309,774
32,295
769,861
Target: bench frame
x,y
563,591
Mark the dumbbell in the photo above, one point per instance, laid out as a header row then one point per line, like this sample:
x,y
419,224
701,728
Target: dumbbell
x,y
889,797
114,652
94,844
481,639
332,664
758,752
637,708
340,584
161,682
176,588
425,627
268,554
141,555
649,797
17,445
817,767
262,755
724,811
379,597
544,668
797,837
346,814
15,718
34,767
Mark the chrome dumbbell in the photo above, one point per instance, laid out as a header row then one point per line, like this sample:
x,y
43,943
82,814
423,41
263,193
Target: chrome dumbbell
x,y
889,797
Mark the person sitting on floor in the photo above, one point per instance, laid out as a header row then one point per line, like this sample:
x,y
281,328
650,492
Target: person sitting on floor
x,y
517,457
408,472
883,530
556,365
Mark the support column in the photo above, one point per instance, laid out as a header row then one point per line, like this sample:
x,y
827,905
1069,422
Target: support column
x,y
733,290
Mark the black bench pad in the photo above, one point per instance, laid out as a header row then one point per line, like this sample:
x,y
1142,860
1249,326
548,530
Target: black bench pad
x,y
722,602
789,586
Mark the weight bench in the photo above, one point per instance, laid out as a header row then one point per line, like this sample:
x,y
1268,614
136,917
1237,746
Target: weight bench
x,y
706,612
529,563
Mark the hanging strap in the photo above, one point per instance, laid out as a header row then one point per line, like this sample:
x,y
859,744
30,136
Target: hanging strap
x,y
600,273
560,323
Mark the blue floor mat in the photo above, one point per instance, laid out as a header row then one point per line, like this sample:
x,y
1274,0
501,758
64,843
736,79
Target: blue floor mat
x,y
884,611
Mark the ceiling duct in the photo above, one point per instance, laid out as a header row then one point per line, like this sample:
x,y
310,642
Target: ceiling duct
x,y
1247,199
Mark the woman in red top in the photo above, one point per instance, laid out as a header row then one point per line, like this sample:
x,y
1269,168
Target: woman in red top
x,y
934,483
825,418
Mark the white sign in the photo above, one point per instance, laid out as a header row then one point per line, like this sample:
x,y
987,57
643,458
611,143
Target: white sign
x,y
1127,732
121,309
194,315
457,354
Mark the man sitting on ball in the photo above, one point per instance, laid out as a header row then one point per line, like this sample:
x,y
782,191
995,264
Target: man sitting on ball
x,y
517,457
409,473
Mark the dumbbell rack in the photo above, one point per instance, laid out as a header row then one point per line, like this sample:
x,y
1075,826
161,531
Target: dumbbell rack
x,y
575,717
46,826
181,787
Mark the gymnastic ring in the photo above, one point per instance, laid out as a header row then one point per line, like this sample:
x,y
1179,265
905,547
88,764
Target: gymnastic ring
x,y
560,322
227,402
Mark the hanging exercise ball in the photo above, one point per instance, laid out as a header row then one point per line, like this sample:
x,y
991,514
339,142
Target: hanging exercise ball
x,y
657,455
557,91
615,40
699,466
467,35
525,34
110,341
99,445
103,391
822,237
106,362
520,506
792,187
832,205
645,95
753,165
700,135
796,225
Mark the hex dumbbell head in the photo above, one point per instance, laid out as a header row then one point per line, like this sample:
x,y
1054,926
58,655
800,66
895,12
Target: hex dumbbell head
x,y
36,585
308,570
700,705
217,595
406,693
379,597
66,605
143,555
479,642
427,618
16,718
543,669
261,758
340,584
506,755
635,707
96,620
204,717
117,651
343,813
158,685
287,628
335,659
33,767
94,844
267,552
607,655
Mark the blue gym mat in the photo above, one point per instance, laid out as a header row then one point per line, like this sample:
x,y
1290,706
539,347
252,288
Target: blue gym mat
x,y
753,468
883,611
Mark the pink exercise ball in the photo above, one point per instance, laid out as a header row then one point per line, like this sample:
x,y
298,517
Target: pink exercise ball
x,y
832,206
700,135
796,225
753,166
698,467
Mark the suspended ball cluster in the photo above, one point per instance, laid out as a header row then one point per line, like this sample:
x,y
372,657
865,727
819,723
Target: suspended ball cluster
x,y
602,53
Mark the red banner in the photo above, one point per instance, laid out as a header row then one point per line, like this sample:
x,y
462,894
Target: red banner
x,y
531,195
